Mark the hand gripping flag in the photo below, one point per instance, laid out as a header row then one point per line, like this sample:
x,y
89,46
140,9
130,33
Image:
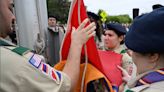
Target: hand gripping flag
x,y
76,15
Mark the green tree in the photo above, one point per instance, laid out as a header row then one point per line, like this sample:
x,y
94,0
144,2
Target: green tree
x,y
118,18
59,8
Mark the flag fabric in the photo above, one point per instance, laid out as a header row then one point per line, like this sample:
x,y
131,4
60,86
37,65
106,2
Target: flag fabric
x,y
110,60
76,16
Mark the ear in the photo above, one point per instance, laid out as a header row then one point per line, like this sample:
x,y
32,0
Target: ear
x,y
121,38
154,57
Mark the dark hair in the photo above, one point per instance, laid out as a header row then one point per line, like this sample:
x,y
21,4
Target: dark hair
x,y
117,28
96,19
117,32
52,16
93,15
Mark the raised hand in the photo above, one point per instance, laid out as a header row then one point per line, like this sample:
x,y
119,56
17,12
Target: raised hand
x,y
81,35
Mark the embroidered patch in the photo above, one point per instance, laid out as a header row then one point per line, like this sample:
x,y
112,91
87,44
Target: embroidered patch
x,y
115,88
56,76
50,72
59,74
35,61
45,68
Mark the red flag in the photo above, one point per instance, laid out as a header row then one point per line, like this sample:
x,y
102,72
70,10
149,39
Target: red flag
x,y
110,60
76,16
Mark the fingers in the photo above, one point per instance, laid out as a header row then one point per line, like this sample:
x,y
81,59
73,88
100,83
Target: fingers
x,y
126,76
83,32
90,30
82,25
124,72
73,28
90,26
92,33
119,67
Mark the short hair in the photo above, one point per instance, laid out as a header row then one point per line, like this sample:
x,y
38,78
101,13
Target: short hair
x,y
52,16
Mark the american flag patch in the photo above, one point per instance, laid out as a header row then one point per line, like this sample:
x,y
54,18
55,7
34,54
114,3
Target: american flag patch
x,y
35,61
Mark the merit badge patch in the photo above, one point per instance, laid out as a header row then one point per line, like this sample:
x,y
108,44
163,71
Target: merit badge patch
x,y
51,72
35,61
55,75
44,68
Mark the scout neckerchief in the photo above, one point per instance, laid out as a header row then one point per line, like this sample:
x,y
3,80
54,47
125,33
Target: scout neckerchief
x,y
152,77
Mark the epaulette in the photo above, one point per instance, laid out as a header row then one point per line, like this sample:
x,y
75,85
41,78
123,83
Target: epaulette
x,y
123,51
17,49
21,50
129,90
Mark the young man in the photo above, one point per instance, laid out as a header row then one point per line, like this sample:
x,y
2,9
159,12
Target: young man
x,y
54,37
145,39
22,70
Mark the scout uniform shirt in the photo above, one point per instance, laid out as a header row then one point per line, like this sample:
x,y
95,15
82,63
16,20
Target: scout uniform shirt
x,y
24,71
151,81
127,62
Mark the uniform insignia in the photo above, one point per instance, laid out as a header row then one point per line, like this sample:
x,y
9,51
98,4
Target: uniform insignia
x,y
56,76
115,88
44,68
35,61
49,71
129,90
21,50
53,75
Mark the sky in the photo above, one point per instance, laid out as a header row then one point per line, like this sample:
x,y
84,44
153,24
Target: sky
x,y
117,7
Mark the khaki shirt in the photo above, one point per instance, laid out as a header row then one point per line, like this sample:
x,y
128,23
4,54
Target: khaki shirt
x,y
127,62
154,87
17,74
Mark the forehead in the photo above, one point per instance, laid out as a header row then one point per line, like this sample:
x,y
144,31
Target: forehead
x,y
109,32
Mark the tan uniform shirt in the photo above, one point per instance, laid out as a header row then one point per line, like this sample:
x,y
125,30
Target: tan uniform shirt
x,y
17,74
154,87
127,62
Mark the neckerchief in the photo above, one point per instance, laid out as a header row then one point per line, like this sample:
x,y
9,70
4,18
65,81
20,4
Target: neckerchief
x,y
151,77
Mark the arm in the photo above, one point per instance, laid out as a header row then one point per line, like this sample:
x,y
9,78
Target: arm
x,y
79,37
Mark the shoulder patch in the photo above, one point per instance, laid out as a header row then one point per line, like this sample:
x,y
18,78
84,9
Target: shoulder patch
x,y
55,76
45,68
129,90
51,72
21,50
35,61
123,51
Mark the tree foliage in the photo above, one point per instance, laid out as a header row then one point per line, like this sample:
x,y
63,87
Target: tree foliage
x,y
118,18
59,9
